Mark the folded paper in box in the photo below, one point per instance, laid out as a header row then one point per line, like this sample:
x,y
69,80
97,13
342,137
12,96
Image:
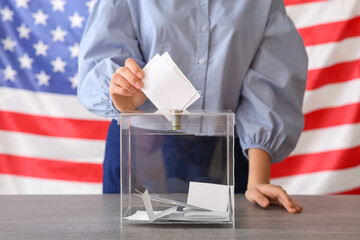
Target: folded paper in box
x,y
205,201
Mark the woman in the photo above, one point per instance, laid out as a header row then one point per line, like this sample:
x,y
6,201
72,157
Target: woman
x,y
241,55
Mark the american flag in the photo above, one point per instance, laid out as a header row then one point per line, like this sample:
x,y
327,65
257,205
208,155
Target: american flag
x,y
326,159
50,144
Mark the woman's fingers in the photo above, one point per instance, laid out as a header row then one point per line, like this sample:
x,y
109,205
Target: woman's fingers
x,y
297,206
132,67
130,77
290,205
125,87
255,196
119,85
280,196
117,90
284,199
274,194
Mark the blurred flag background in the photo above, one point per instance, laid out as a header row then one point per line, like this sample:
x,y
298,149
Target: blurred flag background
x,y
327,157
50,144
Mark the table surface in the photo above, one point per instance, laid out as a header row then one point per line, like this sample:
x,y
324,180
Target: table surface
x,y
98,217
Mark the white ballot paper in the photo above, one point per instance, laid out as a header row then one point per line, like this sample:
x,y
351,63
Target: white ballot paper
x,y
214,197
206,202
166,86
149,209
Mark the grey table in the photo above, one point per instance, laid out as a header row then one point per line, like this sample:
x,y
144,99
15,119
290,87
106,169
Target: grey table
x,y
97,217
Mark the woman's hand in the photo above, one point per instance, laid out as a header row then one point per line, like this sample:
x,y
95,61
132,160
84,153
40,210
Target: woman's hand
x,y
259,189
125,85
266,194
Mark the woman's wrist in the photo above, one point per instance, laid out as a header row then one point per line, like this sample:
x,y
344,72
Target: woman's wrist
x,y
259,167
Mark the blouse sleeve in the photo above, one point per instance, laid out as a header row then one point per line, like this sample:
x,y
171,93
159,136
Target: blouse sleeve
x,y
269,114
108,40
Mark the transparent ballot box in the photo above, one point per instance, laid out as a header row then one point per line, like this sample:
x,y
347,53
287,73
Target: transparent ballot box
x,y
177,167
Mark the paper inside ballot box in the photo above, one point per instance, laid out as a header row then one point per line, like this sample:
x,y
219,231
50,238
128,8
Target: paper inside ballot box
x,y
214,197
206,202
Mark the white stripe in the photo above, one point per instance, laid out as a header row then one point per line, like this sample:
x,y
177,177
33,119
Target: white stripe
x,y
325,182
328,139
26,185
332,95
45,104
326,55
65,149
311,14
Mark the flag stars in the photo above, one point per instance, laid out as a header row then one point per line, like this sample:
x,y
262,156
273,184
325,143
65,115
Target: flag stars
x,y
58,34
9,73
40,48
43,78
23,31
58,5
58,65
74,80
8,44
74,50
7,14
25,61
90,5
76,20
40,18
22,3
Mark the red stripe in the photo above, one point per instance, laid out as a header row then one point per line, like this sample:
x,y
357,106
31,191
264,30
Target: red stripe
x,y
334,74
50,169
56,127
349,192
330,32
295,2
316,162
332,116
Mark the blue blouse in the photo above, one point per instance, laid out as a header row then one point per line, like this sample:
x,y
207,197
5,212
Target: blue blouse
x,y
245,56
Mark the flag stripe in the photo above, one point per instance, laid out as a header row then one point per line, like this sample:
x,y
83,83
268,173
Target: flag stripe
x,y
44,104
324,182
57,148
351,192
340,72
329,54
295,2
311,14
51,169
330,32
11,184
316,162
329,117
328,139
55,127
332,95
